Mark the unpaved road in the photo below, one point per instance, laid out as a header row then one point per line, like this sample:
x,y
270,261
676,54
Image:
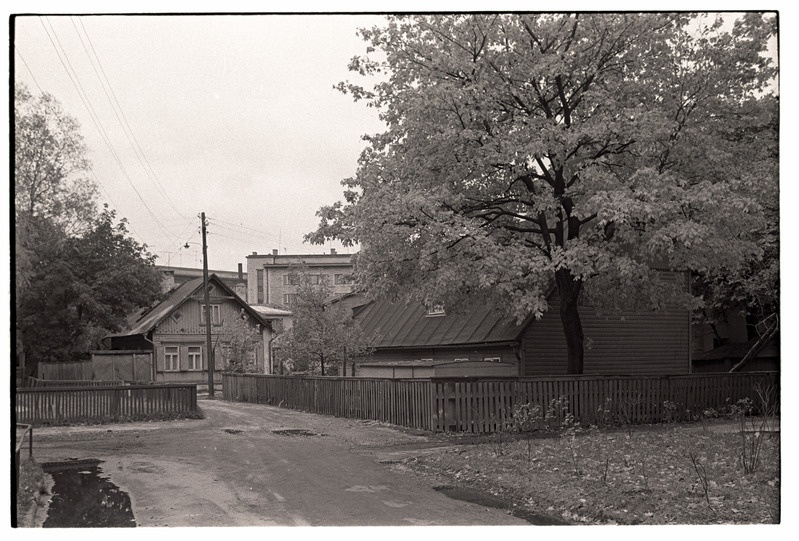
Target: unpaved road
x,y
254,465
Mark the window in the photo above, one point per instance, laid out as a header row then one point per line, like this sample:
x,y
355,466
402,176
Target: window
x,y
462,359
195,357
216,318
259,277
343,279
291,280
171,358
314,279
492,359
289,298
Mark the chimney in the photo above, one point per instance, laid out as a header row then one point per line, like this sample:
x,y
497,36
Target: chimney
x,y
241,273
167,281
255,253
274,252
332,251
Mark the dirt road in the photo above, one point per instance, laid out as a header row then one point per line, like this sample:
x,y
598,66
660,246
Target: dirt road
x,y
253,465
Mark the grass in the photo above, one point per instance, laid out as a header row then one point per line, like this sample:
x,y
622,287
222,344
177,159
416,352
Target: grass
x,y
655,474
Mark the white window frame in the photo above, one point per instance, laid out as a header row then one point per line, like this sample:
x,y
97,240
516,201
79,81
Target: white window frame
x,y
436,310
194,357
492,359
289,298
461,359
216,314
171,358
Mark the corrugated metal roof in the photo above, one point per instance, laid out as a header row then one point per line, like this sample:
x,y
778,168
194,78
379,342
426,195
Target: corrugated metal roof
x,y
176,297
398,325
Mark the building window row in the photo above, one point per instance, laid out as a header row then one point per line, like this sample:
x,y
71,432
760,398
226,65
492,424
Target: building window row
x,y
296,279
193,359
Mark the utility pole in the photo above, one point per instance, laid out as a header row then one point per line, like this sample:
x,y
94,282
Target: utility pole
x,y
207,313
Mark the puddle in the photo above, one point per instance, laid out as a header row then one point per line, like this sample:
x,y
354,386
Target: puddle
x,y
83,498
295,432
487,500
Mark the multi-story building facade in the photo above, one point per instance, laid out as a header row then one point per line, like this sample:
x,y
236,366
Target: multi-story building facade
x,y
271,278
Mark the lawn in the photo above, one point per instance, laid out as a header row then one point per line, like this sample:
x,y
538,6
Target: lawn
x,y
686,473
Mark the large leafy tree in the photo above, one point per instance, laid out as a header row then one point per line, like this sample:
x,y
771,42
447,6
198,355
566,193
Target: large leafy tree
x,y
580,152
53,196
78,273
84,288
323,335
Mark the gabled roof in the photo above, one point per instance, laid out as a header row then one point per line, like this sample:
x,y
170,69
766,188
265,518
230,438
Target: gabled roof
x,y
149,319
407,325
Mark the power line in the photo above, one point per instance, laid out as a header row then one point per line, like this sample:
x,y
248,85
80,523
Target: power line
x,y
93,115
263,236
29,69
115,206
99,183
116,106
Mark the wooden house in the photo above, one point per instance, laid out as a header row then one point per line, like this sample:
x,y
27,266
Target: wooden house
x,y
411,341
174,332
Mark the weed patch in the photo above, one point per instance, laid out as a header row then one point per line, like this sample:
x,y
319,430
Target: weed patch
x,y
674,473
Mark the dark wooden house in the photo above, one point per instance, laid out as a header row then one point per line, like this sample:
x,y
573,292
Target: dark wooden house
x,y
411,341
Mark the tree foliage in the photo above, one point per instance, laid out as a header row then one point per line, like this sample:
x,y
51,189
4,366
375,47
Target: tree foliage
x,y
240,340
323,336
53,196
79,274
84,288
575,150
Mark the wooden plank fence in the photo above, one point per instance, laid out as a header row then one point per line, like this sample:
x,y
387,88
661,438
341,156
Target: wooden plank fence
x,y
75,404
482,405
402,402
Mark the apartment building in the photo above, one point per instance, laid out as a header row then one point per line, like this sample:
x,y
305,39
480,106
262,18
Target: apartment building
x,y
270,281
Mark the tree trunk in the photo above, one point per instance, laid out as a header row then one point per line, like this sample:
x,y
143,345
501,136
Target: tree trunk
x,y
322,363
761,343
569,291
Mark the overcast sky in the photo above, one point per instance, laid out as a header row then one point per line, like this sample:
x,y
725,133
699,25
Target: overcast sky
x,y
232,115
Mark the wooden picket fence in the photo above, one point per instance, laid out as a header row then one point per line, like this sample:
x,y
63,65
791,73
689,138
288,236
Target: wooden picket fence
x,y
487,405
98,403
